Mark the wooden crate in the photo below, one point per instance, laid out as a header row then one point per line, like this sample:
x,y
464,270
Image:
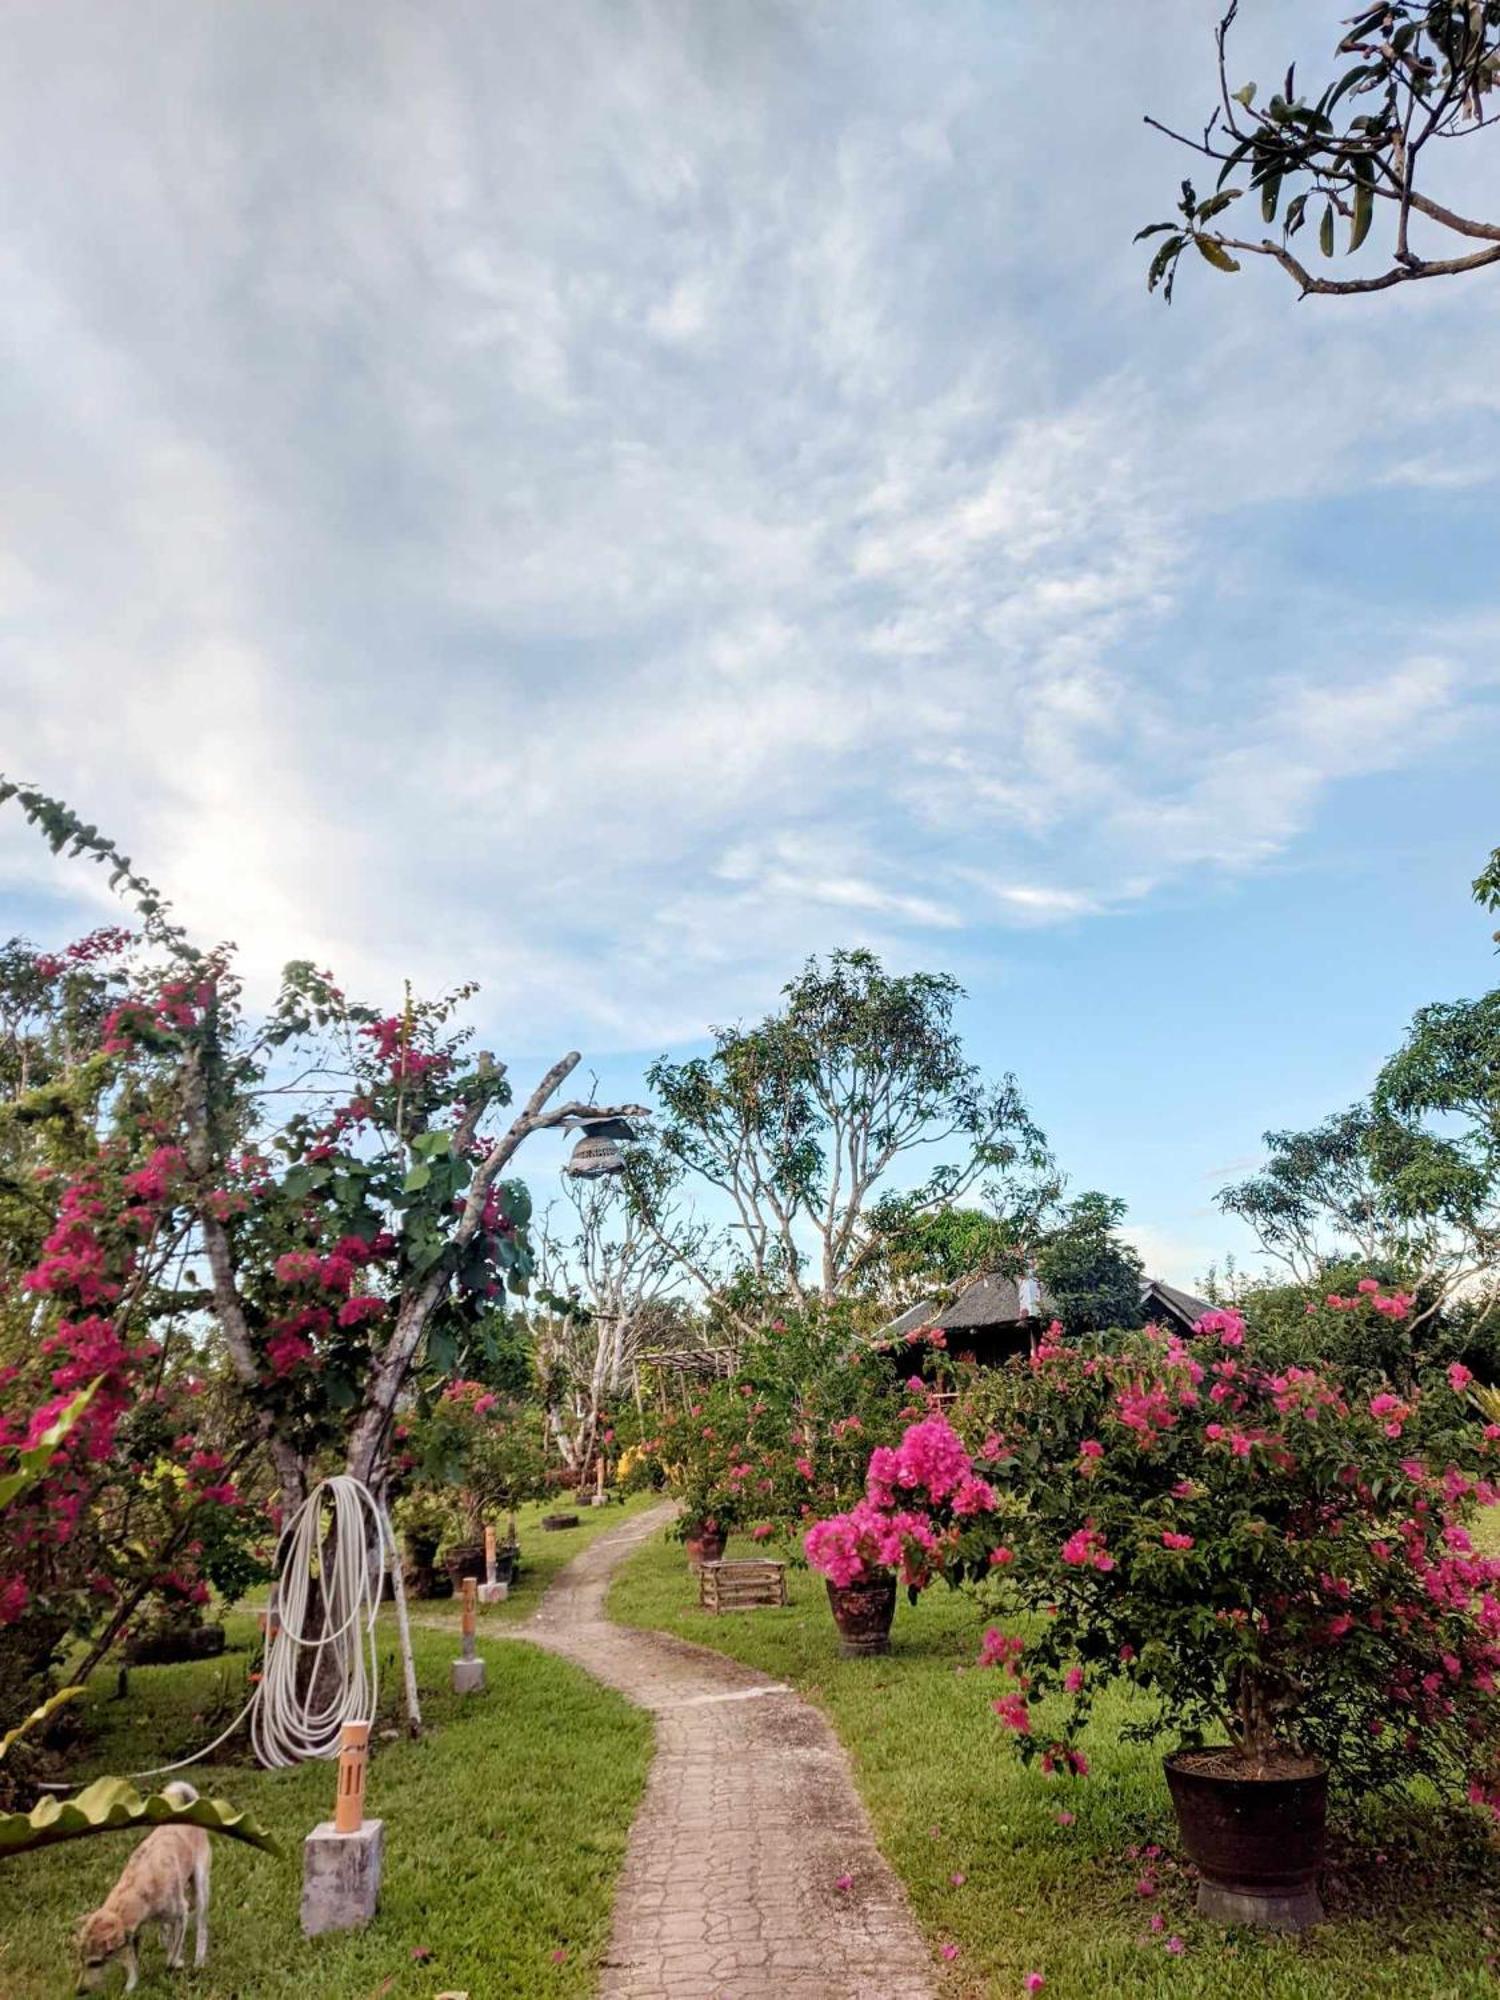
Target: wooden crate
x,y
741,1585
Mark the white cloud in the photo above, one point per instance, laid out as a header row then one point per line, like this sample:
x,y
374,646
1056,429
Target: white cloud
x,y
616,498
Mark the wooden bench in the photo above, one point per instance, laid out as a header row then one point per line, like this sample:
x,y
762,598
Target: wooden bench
x,y
741,1585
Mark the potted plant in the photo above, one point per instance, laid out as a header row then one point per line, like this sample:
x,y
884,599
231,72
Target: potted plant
x,y
1277,1555
707,1456
489,1451
918,1497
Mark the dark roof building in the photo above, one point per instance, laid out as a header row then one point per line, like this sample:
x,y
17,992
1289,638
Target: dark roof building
x,y
984,1322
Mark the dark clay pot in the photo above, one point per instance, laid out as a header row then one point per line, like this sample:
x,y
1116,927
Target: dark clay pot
x,y
465,1559
705,1546
1257,1843
863,1614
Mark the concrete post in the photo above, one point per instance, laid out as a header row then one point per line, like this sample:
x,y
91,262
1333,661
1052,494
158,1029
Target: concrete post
x,y
342,1857
468,1671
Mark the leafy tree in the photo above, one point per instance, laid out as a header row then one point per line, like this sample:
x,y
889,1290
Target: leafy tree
x,y
934,1250
1356,150
1093,1279
1444,1081
797,1121
1328,1191
602,1270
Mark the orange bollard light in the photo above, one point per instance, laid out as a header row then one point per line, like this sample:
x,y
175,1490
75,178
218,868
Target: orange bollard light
x,y
354,1755
489,1555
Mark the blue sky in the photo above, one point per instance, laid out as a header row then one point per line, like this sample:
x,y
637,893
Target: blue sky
x,y
608,499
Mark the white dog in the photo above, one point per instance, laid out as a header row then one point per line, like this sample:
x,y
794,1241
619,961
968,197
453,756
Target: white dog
x,y
153,1887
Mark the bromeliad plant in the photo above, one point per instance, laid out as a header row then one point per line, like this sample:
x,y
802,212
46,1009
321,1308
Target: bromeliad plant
x,y
1277,1557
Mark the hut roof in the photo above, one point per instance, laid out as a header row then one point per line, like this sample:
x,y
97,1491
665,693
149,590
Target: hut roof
x,y
1181,1305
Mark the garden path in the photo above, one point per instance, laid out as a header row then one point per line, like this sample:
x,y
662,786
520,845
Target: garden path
x,y
750,1818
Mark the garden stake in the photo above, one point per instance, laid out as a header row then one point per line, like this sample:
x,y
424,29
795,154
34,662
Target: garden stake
x,y
491,1592
468,1670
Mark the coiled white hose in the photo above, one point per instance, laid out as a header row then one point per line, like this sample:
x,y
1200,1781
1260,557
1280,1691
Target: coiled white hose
x,y
324,1603
332,1584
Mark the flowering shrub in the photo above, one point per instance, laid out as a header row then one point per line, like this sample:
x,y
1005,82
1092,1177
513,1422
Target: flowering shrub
x,y
489,1450
1274,1553
921,1497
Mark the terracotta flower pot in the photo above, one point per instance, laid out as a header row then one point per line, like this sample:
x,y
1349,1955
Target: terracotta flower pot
x,y
863,1614
1257,1842
704,1545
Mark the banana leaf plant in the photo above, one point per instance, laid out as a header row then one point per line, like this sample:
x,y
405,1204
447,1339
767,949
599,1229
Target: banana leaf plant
x,y
108,1804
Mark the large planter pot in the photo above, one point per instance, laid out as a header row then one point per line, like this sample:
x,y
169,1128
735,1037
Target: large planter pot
x,y
863,1614
465,1559
1257,1842
704,1545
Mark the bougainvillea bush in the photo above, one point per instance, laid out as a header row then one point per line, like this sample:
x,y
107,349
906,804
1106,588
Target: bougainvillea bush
x,y
1278,1558
926,1501
139,1509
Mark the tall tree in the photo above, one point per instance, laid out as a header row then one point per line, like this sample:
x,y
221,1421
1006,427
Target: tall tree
x,y
602,1270
1326,1192
797,1122
1347,160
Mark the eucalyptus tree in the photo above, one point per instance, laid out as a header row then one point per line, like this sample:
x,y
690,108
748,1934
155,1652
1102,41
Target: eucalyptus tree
x,y
1348,161
797,1125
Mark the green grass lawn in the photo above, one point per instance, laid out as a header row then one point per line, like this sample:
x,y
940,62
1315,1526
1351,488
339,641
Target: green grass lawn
x,y
505,1828
1414,1897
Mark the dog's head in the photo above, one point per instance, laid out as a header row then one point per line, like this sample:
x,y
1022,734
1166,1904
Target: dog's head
x,y
101,1939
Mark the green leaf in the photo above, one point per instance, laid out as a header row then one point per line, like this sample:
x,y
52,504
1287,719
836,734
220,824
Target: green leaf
x,y
1325,232
1364,215
112,1803
37,1717
1270,195
416,1180
1215,254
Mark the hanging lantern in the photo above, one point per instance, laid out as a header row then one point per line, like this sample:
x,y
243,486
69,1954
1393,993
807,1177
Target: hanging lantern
x,y
596,1153
593,1158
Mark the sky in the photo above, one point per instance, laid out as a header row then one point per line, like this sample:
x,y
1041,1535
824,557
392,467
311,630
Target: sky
x,y
611,498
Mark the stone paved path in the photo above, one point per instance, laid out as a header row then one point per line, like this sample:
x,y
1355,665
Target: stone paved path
x,y
750,1817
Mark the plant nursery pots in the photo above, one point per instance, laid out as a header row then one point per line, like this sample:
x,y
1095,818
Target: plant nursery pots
x,y
1257,1842
704,1545
863,1614
556,1521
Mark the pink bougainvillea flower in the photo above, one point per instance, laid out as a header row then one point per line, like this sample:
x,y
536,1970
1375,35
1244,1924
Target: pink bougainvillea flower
x,y
958,1878
950,1952
1459,1377
1065,1818
844,1884
1146,1886
1176,1946
1033,1982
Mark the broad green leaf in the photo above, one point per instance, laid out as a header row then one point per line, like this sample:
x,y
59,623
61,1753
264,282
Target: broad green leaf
x,y
113,1803
416,1180
1270,194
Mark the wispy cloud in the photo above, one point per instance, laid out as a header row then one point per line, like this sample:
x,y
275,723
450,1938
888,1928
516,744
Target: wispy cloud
x,y
645,491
